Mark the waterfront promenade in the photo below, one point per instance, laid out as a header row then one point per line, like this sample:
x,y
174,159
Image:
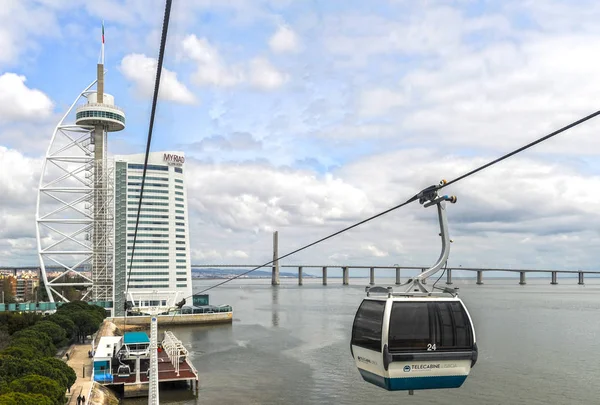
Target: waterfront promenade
x,y
82,364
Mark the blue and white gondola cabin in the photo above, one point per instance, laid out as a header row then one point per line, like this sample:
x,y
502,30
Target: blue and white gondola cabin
x,y
413,342
416,339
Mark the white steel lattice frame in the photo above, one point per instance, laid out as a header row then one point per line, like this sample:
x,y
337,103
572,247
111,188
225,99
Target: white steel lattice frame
x,y
174,348
79,225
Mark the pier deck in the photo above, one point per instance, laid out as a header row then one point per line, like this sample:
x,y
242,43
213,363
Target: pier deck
x,y
166,372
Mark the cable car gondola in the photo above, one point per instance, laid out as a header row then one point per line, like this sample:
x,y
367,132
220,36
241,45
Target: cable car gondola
x,y
415,339
124,371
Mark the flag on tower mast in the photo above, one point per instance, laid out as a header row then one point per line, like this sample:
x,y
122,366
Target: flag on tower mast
x,y
103,42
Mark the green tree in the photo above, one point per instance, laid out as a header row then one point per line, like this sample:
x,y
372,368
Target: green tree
x,y
20,351
42,294
72,307
4,339
98,310
80,305
87,323
56,333
64,369
36,384
12,368
71,293
18,398
64,322
9,298
38,341
13,322
87,318
43,367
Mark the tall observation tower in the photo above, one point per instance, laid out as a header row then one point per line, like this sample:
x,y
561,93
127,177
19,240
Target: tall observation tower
x,y
75,218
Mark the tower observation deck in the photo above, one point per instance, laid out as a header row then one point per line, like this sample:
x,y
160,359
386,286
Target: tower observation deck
x,y
106,114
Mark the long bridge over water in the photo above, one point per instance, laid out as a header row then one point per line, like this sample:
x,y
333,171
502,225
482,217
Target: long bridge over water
x,y
275,265
275,269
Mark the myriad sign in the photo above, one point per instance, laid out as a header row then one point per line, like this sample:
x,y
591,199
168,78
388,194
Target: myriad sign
x,y
173,160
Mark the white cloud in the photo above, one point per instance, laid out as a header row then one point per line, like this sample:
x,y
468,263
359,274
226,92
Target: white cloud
x,y
264,76
212,70
21,24
8,46
239,254
205,255
284,40
475,82
374,251
141,70
421,29
19,176
237,141
250,196
29,136
19,102
380,101
432,30
237,206
350,131
505,95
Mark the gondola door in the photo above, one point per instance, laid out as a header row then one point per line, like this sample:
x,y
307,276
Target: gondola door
x,y
366,344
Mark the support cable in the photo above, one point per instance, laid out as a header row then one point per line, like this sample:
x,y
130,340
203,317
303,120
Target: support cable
x,y
522,148
161,55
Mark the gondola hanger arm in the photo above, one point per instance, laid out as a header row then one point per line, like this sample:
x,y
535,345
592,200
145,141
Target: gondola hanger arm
x,y
428,197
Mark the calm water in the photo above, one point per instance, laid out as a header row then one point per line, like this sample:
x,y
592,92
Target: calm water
x,y
538,344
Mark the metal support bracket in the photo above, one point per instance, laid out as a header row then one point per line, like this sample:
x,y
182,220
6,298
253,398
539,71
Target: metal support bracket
x,y
415,286
427,198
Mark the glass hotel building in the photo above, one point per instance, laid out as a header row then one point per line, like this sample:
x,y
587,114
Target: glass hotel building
x,y
162,257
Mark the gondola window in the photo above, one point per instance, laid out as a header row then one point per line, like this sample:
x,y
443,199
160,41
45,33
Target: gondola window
x,y
367,325
410,326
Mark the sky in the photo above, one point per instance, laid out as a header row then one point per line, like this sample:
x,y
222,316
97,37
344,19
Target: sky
x,y
304,117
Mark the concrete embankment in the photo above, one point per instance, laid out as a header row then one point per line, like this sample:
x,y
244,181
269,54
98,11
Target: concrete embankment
x,y
166,320
102,396
107,328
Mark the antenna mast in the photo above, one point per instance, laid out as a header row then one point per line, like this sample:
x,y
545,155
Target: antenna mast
x,y
102,55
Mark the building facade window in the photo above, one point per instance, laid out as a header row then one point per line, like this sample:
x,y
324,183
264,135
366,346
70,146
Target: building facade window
x,y
150,178
136,166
